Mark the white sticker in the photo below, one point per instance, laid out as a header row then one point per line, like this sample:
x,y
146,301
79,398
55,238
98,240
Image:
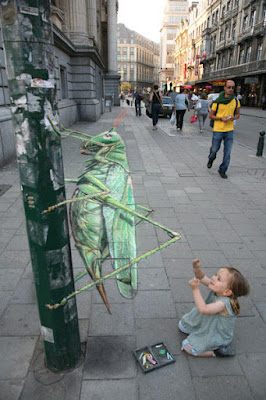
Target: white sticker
x,y
29,10
47,334
40,83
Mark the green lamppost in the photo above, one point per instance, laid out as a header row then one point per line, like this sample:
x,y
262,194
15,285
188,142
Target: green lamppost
x,y
28,42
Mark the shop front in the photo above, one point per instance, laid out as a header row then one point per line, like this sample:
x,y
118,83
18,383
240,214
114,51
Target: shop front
x,y
252,89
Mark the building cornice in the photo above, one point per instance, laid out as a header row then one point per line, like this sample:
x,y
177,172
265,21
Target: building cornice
x,y
63,43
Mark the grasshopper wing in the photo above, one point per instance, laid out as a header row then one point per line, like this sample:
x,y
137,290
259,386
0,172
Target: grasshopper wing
x,y
120,228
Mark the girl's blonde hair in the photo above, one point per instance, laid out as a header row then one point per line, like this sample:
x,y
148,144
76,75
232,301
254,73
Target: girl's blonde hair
x,y
239,286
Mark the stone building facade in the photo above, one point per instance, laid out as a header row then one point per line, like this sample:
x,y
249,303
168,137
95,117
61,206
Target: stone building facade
x,y
174,12
137,58
189,46
231,43
85,65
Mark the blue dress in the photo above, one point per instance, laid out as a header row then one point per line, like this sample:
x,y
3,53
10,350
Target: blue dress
x,y
209,332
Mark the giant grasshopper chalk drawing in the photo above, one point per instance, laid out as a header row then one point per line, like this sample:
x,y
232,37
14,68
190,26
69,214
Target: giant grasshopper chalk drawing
x,y
102,214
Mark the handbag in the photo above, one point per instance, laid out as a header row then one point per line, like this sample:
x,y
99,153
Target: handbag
x,y
172,119
149,109
198,106
193,119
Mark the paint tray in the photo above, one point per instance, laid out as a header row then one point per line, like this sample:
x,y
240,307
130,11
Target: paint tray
x,y
159,354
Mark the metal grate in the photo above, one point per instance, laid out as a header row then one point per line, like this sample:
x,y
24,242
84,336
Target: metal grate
x,y
4,188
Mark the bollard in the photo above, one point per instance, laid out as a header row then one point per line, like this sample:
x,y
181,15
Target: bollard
x,y
260,144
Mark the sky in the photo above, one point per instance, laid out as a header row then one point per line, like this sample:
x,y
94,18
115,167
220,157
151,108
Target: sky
x,y
142,16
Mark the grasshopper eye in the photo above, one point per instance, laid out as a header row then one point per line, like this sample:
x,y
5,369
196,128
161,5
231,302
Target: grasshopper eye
x,y
107,135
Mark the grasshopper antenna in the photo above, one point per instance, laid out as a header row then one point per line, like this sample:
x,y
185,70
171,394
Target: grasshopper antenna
x,y
120,117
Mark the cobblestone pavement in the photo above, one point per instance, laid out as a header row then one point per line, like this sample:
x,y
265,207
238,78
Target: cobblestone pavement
x,y
223,222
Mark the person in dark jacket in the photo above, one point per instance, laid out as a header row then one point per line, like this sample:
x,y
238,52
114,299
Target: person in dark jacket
x,y
156,100
138,97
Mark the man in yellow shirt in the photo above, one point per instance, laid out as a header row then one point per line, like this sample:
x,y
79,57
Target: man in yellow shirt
x,y
224,111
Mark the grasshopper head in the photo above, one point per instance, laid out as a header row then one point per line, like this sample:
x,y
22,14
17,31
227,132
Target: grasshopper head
x,y
106,139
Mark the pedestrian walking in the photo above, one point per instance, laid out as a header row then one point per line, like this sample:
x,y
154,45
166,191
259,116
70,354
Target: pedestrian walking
x,y
264,102
172,94
181,104
202,108
156,101
239,97
138,96
224,111
210,325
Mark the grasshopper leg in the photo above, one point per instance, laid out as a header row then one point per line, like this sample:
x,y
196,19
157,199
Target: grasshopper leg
x,y
93,263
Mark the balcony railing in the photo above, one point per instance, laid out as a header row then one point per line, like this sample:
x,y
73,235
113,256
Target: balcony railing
x,y
226,17
229,42
245,34
237,70
220,45
210,56
206,31
259,28
234,11
214,27
246,3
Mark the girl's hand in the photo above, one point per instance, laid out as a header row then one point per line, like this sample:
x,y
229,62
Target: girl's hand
x,y
194,283
199,274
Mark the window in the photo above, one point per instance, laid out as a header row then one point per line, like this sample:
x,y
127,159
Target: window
x,y
132,72
223,11
248,54
230,59
228,6
264,15
132,54
245,22
221,35
259,51
63,82
214,43
234,31
241,56
124,53
219,62
252,18
225,33
125,72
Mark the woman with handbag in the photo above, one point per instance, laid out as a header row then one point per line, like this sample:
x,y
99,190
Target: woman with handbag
x,y
203,109
181,104
156,101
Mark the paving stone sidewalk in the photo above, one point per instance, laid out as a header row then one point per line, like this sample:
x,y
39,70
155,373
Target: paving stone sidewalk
x,y
223,222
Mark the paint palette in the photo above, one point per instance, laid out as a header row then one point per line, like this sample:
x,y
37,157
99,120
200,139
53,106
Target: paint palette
x,y
153,357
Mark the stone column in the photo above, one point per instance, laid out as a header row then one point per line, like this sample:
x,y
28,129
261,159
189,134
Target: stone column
x,y
77,22
112,77
92,19
112,37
